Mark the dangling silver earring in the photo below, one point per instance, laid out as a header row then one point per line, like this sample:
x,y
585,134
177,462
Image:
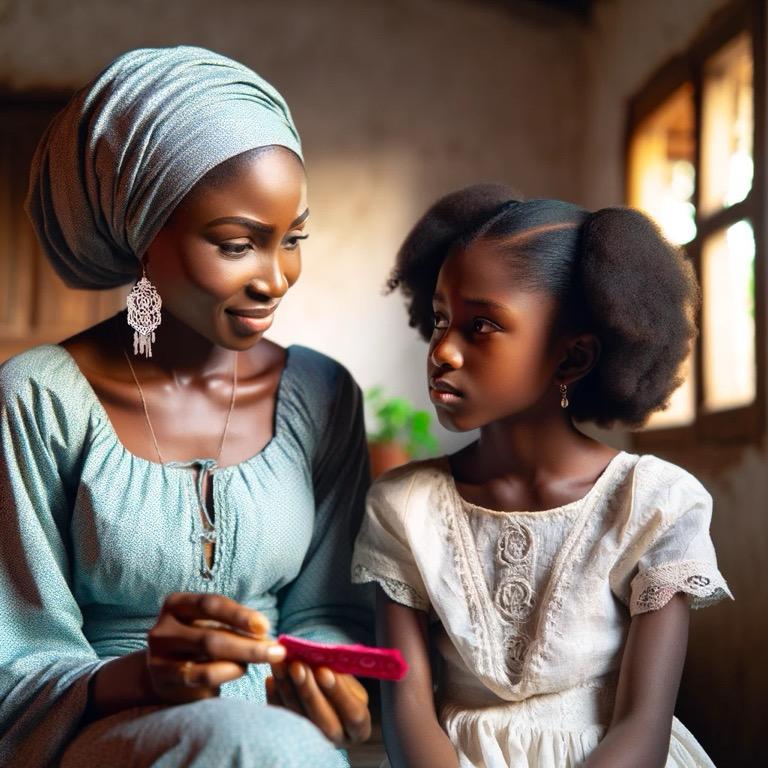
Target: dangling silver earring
x,y
563,396
143,314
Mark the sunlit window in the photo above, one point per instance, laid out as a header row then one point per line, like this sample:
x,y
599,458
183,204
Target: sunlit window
x,y
691,167
728,318
727,127
661,166
662,178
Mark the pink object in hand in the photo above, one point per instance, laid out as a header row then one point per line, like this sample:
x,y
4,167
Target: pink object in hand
x,y
358,660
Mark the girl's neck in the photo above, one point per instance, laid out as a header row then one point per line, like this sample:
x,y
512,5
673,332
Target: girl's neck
x,y
534,446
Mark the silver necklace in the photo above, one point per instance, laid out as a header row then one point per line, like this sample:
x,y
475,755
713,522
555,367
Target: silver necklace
x,y
208,535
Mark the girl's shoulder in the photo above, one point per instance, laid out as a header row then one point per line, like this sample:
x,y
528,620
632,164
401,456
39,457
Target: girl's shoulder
x,y
655,479
654,496
399,486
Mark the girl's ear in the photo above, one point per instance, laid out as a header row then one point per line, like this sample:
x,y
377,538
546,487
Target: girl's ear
x,y
580,357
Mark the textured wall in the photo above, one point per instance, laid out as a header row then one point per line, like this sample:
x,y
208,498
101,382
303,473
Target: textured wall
x,y
397,102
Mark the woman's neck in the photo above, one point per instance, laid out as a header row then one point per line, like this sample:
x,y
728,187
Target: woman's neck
x,y
179,351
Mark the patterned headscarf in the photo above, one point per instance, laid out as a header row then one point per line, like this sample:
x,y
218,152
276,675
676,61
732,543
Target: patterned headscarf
x,y
118,159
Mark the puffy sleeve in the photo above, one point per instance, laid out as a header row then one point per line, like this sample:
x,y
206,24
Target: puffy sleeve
x,y
322,603
45,661
382,552
670,549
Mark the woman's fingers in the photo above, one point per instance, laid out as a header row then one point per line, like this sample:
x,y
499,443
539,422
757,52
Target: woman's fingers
x,y
183,681
201,641
273,697
337,704
188,607
327,678
285,691
205,641
212,674
317,707
349,700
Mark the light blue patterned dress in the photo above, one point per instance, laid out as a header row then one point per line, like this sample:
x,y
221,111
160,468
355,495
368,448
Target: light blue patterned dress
x,y
92,538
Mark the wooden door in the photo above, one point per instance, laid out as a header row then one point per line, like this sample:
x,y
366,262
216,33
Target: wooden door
x,y
35,305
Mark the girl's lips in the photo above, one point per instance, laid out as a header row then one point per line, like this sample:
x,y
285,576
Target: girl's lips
x,y
439,384
442,393
439,397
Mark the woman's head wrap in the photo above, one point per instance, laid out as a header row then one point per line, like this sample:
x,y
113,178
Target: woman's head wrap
x,y
119,158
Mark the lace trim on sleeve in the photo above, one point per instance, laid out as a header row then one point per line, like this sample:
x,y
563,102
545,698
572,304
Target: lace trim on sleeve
x,y
654,588
395,589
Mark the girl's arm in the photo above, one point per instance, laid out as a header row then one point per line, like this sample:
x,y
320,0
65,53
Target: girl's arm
x,y
651,668
412,734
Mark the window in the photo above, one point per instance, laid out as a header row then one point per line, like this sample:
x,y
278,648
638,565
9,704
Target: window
x,y
696,164
35,305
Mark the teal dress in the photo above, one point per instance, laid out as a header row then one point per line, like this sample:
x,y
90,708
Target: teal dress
x,y
92,539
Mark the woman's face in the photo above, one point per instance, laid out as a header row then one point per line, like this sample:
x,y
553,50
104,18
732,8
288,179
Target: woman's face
x,y
491,355
231,249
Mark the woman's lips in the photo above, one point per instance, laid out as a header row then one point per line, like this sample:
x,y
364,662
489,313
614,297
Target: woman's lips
x,y
250,321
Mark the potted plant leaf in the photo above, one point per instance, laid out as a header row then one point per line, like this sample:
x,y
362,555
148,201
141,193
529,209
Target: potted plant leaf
x,y
401,432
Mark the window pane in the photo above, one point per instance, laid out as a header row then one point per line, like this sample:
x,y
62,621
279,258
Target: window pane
x,y
727,127
661,166
681,410
661,183
728,320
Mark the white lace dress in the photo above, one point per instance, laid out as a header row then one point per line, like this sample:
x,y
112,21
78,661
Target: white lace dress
x,y
530,610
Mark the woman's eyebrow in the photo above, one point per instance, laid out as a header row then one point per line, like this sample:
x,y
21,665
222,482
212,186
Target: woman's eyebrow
x,y
254,224
243,221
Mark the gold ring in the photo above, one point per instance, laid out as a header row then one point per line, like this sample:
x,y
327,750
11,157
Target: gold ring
x,y
186,668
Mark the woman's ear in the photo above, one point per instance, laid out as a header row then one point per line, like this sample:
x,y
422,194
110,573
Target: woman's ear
x,y
580,357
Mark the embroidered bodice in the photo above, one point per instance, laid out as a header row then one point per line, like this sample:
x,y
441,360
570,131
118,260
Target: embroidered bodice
x,y
529,605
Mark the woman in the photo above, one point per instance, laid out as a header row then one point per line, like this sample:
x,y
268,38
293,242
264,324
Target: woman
x,y
170,493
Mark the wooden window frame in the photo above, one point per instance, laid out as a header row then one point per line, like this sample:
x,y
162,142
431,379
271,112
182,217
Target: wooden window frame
x,y
744,424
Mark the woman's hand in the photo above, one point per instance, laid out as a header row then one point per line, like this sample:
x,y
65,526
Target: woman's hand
x,y
336,703
201,641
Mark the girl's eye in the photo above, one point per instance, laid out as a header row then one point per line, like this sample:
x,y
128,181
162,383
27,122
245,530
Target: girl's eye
x,y
481,325
234,249
439,322
292,243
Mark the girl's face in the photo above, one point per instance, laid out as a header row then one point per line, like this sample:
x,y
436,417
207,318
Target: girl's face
x,y
491,355
231,249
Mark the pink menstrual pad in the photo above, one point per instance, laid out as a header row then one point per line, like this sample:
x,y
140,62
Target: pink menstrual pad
x,y
358,660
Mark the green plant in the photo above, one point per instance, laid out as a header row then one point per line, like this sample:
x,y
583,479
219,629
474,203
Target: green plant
x,y
398,421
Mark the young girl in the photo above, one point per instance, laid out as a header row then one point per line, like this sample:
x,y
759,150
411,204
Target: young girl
x,y
551,574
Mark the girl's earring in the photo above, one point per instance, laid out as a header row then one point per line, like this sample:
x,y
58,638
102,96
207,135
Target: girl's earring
x,y
143,314
563,396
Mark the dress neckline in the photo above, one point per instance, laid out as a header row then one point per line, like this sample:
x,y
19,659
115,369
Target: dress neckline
x,y
608,472
208,462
